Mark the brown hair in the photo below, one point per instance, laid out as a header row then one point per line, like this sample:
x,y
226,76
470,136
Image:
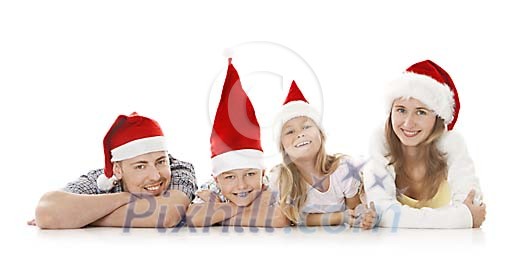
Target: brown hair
x,y
434,160
293,186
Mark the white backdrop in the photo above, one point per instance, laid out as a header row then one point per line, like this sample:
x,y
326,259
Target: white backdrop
x,y
68,68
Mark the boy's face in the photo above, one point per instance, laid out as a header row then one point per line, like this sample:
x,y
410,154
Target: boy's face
x,y
240,186
145,174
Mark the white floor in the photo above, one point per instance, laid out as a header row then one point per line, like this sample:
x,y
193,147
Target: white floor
x,y
239,251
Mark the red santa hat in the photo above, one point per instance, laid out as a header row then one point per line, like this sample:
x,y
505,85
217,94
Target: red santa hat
x,y
430,84
235,138
295,105
128,137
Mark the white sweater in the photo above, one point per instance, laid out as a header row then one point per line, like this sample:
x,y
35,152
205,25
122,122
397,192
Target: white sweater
x,y
379,182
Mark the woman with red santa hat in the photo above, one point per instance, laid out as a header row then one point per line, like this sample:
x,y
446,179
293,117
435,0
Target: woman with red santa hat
x,y
420,174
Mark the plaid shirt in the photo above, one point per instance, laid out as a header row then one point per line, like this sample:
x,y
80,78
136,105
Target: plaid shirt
x,y
182,179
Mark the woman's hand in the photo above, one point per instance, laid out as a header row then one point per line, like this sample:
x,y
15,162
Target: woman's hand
x,y
478,212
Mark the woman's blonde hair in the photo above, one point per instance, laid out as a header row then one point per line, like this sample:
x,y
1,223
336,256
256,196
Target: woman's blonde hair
x,y
292,184
434,160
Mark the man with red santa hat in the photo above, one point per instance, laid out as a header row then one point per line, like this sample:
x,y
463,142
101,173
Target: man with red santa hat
x,y
139,186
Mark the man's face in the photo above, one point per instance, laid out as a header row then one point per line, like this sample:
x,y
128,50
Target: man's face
x,y
145,174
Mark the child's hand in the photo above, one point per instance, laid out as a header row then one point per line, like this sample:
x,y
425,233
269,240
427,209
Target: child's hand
x,y
350,217
208,196
266,198
369,217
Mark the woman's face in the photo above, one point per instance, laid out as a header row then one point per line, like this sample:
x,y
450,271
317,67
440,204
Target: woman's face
x,y
301,138
412,121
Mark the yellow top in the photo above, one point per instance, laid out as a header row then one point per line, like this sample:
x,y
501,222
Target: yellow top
x,y
441,199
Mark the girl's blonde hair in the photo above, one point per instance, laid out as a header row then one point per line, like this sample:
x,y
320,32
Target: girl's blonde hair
x,y
292,184
434,160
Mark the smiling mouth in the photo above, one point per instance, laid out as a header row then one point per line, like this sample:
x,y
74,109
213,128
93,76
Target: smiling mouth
x,y
302,144
242,194
409,133
154,187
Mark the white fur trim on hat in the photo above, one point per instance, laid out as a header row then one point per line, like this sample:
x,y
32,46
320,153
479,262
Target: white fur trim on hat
x,y
437,96
104,183
237,159
139,147
292,110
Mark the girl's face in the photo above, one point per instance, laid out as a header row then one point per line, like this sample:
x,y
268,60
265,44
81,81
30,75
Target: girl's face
x,y
240,186
301,138
412,121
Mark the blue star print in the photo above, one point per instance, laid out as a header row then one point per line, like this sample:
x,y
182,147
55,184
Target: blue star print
x,y
379,181
353,171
